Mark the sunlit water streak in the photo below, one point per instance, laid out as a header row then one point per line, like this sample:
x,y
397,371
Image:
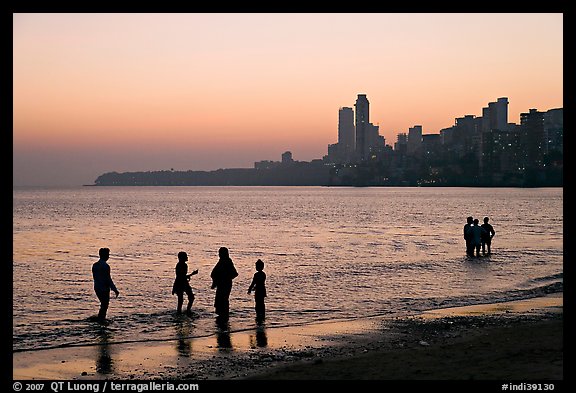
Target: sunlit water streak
x,y
330,253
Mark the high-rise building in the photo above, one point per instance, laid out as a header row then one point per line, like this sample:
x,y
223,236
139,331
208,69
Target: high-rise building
x,y
485,122
431,146
533,136
502,113
414,139
495,117
401,143
346,134
554,130
362,113
374,141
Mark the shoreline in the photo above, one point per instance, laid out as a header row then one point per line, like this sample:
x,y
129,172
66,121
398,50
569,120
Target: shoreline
x,y
506,342
351,349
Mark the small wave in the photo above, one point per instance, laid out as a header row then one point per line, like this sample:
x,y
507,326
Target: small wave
x,y
557,276
543,290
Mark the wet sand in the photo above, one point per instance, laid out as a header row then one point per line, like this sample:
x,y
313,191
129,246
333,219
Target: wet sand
x,y
513,341
508,346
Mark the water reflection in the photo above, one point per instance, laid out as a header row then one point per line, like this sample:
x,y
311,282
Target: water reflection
x,y
259,338
104,361
223,338
184,328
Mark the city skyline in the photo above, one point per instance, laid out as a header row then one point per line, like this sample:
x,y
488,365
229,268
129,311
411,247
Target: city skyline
x,y
95,93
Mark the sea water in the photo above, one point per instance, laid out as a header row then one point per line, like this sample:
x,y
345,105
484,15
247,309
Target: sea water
x,y
330,254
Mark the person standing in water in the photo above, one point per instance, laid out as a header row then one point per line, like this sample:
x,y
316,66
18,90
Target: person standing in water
x,y
468,236
259,287
182,284
222,275
487,237
103,282
476,234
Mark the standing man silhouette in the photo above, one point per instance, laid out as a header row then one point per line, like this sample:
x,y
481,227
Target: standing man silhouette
x,y
103,282
487,237
476,234
468,236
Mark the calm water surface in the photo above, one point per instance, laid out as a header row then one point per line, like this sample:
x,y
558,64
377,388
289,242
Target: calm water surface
x,y
330,253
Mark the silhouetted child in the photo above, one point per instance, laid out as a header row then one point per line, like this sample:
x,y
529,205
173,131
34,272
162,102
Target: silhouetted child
x,y
181,284
259,287
103,283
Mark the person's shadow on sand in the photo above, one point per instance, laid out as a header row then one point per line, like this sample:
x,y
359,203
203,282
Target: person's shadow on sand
x,y
104,361
223,338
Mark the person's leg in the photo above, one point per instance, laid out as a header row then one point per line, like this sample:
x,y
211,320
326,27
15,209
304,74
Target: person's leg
x,y
488,243
218,301
260,308
190,299
104,297
180,301
227,299
470,249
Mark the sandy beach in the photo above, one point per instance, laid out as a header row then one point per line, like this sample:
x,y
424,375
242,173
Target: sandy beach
x,y
513,341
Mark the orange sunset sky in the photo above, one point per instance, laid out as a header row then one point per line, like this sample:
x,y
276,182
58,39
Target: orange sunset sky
x,y
95,93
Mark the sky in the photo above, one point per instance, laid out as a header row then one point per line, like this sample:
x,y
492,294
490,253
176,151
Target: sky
x,y
103,92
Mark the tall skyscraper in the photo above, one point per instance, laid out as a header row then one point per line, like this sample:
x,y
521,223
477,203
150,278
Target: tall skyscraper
x,y
346,134
533,137
401,144
554,130
502,113
362,123
414,140
495,117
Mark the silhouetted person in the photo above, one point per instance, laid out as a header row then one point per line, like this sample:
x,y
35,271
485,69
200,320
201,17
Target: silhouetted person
x,y
467,236
103,282
181,283
487,237
476,233
259,287
222,275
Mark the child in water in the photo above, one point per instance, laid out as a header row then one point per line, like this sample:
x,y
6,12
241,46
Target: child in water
x,y
181,284
259,287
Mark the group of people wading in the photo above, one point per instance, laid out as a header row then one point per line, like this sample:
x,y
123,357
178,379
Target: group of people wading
x,y
478,236
222,275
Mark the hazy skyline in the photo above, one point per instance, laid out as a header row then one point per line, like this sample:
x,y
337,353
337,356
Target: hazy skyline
x,y
95,93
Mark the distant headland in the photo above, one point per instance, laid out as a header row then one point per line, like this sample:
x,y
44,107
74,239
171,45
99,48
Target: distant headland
x,y
322,173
